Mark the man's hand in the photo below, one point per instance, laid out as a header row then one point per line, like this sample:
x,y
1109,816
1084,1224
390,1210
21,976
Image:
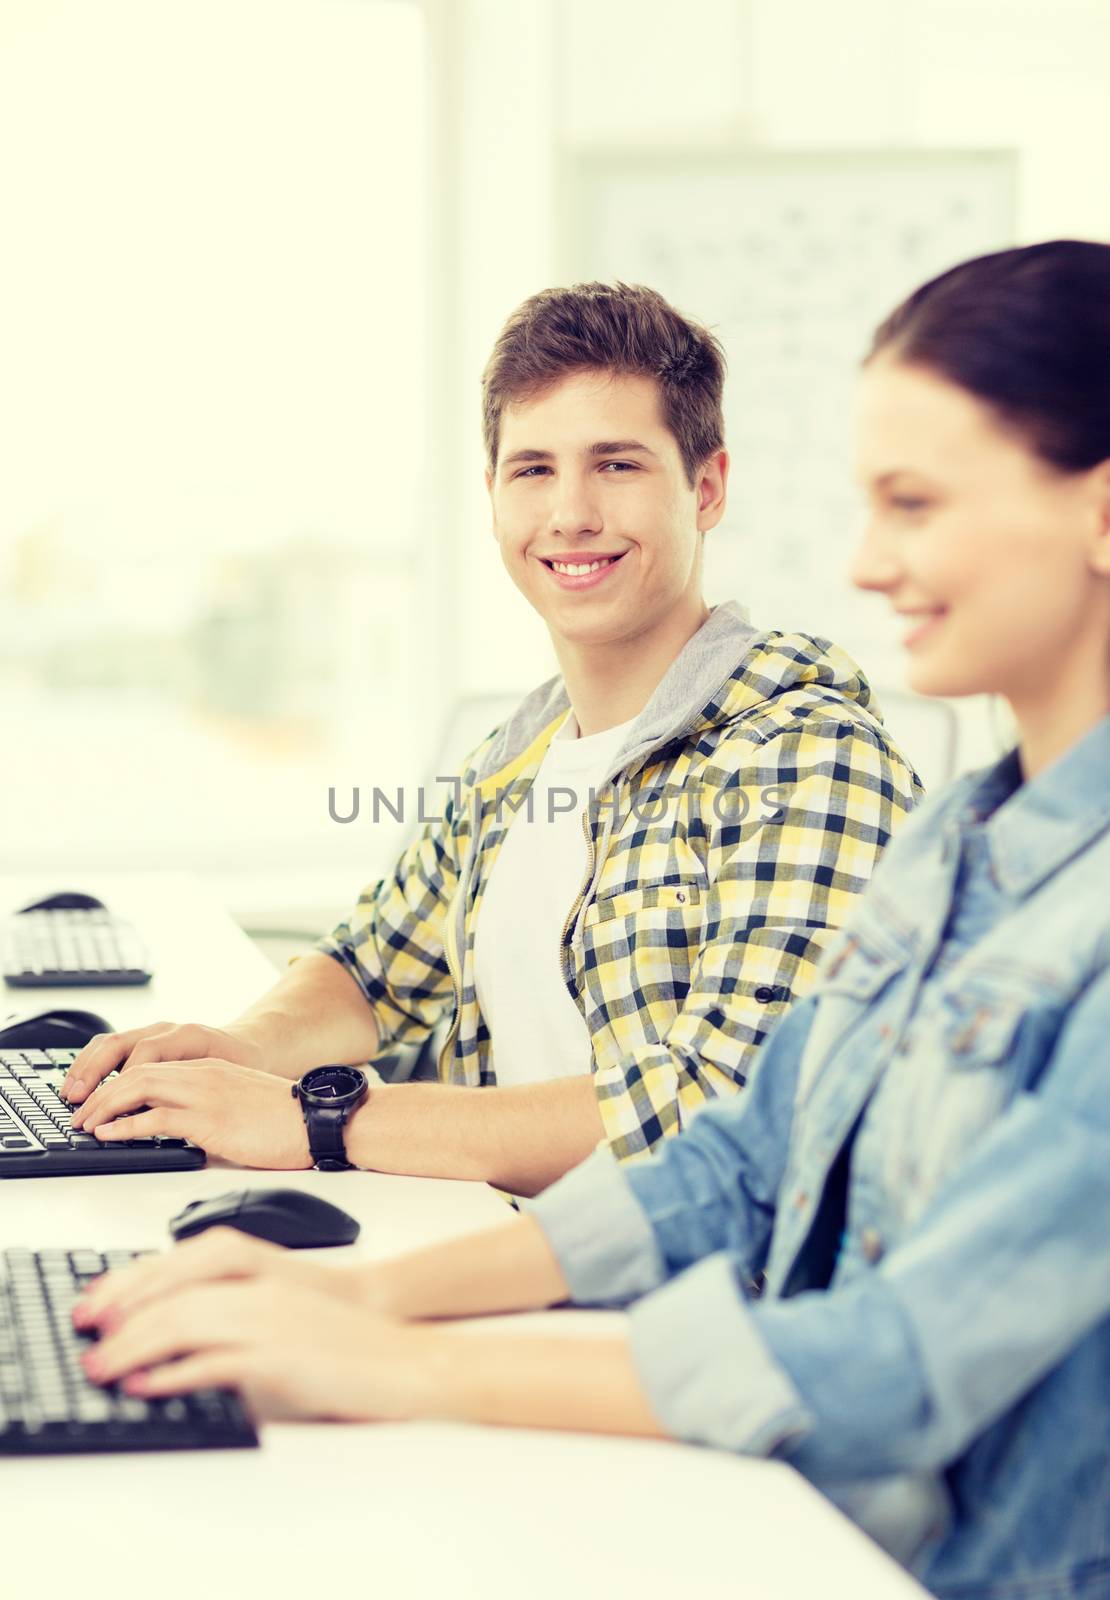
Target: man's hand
x,y
158,1041
229,1110
227,1310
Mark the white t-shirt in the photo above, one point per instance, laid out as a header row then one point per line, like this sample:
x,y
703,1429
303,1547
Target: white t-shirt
x,y
537,1030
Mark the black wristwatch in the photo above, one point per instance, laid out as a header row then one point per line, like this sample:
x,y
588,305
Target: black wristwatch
x,y
328,1095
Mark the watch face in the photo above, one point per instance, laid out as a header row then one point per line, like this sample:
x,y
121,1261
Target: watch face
x,y
334,1085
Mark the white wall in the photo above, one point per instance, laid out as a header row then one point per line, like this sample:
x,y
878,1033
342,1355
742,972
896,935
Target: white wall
x,y
541,75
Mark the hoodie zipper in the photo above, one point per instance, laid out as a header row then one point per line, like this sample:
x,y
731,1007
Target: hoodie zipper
x,y
591,857
577,906
456,975
453,1031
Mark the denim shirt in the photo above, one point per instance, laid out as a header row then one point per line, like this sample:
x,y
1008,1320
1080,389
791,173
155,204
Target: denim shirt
x,y
919,1178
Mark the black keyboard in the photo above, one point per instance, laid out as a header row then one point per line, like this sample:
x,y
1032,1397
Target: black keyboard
x,y
35,1137
72,949
48,1406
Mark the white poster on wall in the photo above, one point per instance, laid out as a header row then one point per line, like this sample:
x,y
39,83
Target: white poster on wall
x,y
792,259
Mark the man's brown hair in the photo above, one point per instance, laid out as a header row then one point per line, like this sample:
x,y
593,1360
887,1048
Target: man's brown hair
x,y
620,328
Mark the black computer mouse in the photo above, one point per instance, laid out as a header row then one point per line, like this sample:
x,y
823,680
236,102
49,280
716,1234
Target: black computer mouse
x,y
284,1216
65,900
53,1030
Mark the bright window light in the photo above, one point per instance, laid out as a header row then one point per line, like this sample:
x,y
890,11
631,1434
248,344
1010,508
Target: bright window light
x,y
211,401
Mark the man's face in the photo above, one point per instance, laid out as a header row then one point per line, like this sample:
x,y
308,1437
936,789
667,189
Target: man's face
x,y
598,527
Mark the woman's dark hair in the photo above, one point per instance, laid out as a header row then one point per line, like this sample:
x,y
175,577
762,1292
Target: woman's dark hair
x,y
1028,332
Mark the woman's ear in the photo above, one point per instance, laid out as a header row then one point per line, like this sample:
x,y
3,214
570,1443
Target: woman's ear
x,y
1100,548
493,512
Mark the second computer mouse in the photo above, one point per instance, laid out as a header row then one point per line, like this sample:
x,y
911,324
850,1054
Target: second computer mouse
x,y
65,900
53,1030
284,1216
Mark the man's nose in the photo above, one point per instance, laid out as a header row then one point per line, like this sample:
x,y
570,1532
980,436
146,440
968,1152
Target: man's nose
x,y
575,511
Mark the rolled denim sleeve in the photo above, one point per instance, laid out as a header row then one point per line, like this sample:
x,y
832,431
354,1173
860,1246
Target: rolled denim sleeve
x,y
899,1371
600,1237
706,1371
618,1231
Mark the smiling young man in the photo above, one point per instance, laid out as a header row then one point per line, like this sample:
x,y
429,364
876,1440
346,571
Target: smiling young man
x,y
642,865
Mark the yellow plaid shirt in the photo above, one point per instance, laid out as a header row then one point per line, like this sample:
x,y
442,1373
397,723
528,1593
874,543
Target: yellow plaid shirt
x,y
721,861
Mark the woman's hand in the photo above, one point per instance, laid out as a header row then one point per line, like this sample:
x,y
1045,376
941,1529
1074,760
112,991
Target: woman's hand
x,y
226,1310
301,1340
214,1256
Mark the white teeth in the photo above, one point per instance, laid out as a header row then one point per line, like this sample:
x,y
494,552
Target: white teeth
x,y
580,569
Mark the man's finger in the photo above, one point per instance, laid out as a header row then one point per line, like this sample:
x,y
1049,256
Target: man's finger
x,y
163,1120
102,1055
187,1042
164,1084
107,1102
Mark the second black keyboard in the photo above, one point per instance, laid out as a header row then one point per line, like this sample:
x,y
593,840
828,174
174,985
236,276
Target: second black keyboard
x,y
72,949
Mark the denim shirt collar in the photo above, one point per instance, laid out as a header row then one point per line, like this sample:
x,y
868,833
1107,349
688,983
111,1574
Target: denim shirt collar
x,y
1032,828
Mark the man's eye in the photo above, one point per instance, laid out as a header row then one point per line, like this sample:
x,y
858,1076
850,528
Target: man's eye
x,y
528,472
908,503
621,466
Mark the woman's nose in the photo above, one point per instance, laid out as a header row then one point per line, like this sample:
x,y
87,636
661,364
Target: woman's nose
x,y
875,564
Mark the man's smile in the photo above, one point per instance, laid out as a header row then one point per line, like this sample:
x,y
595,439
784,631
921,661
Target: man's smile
x,y
585,571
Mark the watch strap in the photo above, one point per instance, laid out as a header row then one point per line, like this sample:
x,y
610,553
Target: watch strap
x,y
325,1136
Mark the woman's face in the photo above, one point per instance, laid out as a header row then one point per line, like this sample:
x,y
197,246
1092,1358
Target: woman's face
x,y
990,554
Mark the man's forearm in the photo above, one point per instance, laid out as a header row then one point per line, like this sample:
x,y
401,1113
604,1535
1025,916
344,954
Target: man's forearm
x,y
520,1139
315,1013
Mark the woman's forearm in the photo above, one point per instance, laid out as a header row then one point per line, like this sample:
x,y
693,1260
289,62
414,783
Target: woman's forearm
x,y
506,1268
588,1385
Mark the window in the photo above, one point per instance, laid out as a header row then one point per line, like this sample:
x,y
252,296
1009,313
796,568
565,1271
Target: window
x,y
211,398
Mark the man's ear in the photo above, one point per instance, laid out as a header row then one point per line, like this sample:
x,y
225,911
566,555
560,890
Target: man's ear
x,y
711,487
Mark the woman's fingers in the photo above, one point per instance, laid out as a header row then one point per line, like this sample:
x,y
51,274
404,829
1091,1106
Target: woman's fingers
x,y
218,1253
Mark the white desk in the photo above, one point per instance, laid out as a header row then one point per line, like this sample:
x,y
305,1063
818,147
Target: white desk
x,y
205,968
393,1512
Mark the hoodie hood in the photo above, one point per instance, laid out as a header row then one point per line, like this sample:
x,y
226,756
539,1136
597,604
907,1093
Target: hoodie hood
x,y
725,671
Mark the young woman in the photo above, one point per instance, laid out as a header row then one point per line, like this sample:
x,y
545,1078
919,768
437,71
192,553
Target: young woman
x,y
918,1179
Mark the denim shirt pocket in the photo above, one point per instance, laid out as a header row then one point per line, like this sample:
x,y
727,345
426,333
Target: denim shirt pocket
x,y
945,1099
849,994
979,1026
